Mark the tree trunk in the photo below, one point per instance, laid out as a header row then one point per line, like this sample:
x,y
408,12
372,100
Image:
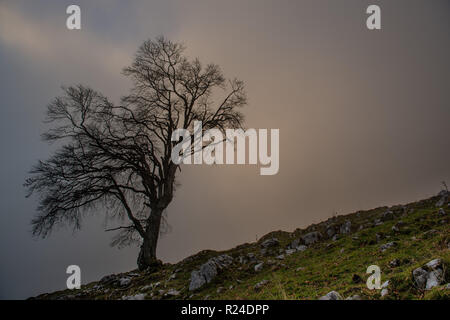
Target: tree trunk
x,y
147,255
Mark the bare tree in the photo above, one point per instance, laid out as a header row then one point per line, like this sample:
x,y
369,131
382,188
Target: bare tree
x,y
116,159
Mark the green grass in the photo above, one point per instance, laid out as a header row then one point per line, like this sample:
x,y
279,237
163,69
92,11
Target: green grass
x,y
325,267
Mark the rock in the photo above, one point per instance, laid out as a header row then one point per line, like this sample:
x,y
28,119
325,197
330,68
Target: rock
x,y
294,244
299,269
394,263
301,248
342,250
259,266
430,275
172,276
242,260
379,236
420,278
220,289
377,222
273,242
331,231
335,237
139,296
388,245
354,297
311,238
173,293
447,286
346,227
385,284
261,284
108,279
387,215
208,271
123,282
290,251
441,212
384,292
280,257
444,198
333,295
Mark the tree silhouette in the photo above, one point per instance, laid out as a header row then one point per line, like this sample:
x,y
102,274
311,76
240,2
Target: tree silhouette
x,y
116,159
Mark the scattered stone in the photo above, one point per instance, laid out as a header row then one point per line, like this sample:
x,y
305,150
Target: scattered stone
x,y
294,244
311,238
299,269
273,242
385,284
394,263
220,289
441,212
388,245
259,266
108,279
333,295
444,198
208,271
123,282
173,293
388,215
280,257
384,292
377,222
290,251
354,297
260,284
301,248
331,231
346,227
429,275
139,296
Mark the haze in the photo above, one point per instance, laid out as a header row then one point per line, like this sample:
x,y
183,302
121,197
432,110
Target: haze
x,y
363,117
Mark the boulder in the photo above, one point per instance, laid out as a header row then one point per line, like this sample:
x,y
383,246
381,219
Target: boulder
x,y
430,275
260,284
272,242
294,244
208,271
387,215
301,248
354,297
388,245
123,282
290,251
331,231
346,227
259,266
333,295
311,238
444,198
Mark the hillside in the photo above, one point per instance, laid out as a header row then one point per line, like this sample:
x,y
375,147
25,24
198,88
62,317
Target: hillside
x,y
410,243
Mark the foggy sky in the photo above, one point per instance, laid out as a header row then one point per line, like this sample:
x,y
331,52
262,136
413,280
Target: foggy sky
x,y
363,117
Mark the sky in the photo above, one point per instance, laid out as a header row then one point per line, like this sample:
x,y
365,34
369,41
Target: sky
x,y
363,117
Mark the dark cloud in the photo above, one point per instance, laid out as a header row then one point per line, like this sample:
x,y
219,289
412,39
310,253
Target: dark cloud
x,y
362,117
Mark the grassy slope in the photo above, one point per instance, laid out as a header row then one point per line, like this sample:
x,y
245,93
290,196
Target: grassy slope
x,y
325,266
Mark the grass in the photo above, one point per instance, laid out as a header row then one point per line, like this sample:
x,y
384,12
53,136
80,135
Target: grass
x,y
323,267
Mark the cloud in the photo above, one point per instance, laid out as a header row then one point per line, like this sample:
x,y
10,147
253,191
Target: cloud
x,y
48,42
